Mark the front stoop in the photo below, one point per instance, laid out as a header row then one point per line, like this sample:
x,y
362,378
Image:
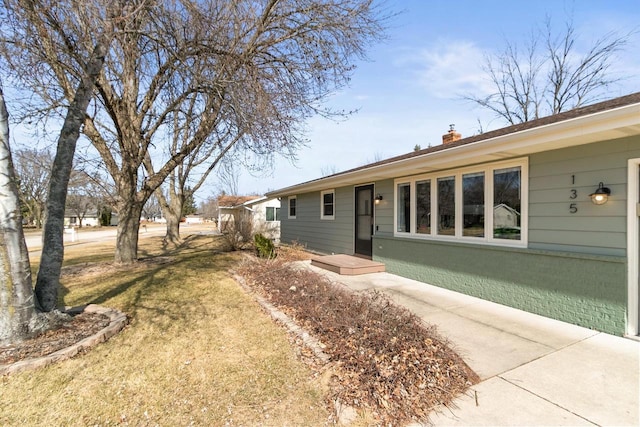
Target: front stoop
x,y
347,265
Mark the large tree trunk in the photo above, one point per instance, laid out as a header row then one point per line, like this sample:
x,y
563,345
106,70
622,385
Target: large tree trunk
x,y
48,280
172,237
172,212
128,227
16,293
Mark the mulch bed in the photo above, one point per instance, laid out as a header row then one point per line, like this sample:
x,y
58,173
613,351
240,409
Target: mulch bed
x,y
386,360
74,330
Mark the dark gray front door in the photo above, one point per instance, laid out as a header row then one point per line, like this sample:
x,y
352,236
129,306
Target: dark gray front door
x,y
364,220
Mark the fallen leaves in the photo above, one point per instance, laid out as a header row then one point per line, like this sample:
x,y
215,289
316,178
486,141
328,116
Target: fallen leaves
x,y
387,360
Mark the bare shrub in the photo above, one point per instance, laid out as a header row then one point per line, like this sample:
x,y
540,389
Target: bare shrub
x,y
237,231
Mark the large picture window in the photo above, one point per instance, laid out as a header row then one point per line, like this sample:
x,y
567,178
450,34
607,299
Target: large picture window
x,y
327,204
484,203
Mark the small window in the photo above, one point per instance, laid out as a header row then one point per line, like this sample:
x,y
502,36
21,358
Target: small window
x,y
404,208
507,204
327,201
273,213
292,207
473,204
447,206
423,207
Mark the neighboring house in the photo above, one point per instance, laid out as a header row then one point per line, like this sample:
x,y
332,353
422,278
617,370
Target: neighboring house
x,y
513,215
262,214
194,219
89,220
505,217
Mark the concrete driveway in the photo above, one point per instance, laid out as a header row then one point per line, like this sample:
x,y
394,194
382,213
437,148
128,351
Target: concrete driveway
x,y
534,370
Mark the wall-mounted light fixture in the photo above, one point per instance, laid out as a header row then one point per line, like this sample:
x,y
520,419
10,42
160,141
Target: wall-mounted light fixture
x,y
601,195
378,198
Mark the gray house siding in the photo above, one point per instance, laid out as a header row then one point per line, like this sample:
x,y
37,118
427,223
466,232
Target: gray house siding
x,y
591,229
384,209
326,236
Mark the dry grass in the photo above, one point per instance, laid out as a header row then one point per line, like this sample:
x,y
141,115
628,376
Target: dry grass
x,y
198,351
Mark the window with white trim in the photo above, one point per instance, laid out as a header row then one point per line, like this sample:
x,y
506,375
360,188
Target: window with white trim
x,y
272,214
292,206
482,204
403,208
327,204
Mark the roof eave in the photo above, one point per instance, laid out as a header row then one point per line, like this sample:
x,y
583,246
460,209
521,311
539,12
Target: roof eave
x,y
609,124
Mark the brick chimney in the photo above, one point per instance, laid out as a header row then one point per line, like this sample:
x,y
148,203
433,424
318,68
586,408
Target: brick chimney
x,y
451,135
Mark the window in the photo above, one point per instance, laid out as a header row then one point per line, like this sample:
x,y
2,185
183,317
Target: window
x,y
473,204
506,204
273,213
292,207
447,206
404,208
423,207
327,204
485,203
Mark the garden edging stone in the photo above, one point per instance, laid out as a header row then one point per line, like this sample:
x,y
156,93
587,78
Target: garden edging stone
x,y
117,321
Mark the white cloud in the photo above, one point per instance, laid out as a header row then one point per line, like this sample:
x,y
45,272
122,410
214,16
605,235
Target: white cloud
x,y
448,69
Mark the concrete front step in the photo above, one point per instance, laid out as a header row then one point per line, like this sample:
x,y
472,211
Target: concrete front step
x,y
347,265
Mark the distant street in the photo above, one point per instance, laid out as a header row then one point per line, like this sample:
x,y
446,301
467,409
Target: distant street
x,y
88,235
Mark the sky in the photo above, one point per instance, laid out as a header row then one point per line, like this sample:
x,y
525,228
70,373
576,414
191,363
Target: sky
x,y
410,89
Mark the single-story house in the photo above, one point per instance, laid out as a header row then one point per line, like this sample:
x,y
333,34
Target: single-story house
x,y
88,220
194,219
260,212
541,216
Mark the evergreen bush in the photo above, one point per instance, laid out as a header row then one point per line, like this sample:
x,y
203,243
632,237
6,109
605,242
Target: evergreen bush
x,y
264,246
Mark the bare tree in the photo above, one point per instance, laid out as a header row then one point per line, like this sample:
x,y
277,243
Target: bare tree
x,y
17,309
329,170
84,195
548,75
57,26
152,209
209,208
33,168
258,68
192,173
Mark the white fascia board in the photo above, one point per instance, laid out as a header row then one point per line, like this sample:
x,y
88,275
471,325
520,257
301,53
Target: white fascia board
x,y
605,125
254,201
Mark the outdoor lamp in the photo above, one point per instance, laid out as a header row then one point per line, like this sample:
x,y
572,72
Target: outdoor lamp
x,y
601,195
378,198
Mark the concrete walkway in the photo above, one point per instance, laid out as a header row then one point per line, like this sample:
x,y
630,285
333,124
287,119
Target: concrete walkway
x,y
534,370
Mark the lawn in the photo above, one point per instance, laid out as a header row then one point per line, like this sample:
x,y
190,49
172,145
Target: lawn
x,y
198,350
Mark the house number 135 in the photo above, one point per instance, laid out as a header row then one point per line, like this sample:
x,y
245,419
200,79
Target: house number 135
x,y
573,194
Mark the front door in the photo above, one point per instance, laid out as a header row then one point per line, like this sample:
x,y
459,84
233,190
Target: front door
x,y
364,220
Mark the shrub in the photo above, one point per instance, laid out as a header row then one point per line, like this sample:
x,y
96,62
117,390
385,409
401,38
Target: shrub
x,y
237,231
264,246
